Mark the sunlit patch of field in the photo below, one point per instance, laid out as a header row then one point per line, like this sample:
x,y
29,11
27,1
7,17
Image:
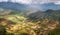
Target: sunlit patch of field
x,y
20,25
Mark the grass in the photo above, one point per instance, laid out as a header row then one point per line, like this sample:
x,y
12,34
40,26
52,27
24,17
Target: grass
x,y
23,26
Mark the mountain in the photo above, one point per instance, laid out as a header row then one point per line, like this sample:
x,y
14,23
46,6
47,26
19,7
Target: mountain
x,y
16,7
50,6
12,8
26,8
40,15
11,5
19,6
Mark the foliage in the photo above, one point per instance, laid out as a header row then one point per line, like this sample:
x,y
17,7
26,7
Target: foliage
x,y
20,25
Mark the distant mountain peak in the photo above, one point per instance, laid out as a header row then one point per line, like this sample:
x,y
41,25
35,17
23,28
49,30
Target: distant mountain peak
x,y
50,6
9,0
11,5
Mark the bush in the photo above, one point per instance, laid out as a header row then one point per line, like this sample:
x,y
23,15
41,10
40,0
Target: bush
x,y
24,32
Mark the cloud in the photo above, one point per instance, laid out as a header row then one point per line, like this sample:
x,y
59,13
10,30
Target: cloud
x,y
58,3
34,1
3,0
37,1
46,1
22,1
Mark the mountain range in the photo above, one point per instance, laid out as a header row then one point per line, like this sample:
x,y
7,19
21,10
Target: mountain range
x,y
40,15
50,6
28,9
13,6
19,6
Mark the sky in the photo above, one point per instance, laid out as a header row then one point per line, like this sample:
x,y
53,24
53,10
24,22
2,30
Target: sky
x,y
34,1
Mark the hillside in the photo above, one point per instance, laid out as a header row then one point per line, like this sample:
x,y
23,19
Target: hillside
x,y
29,17
39,15
19,24
13,6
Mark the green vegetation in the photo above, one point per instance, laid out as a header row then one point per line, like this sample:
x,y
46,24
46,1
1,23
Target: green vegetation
x,y
16,24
